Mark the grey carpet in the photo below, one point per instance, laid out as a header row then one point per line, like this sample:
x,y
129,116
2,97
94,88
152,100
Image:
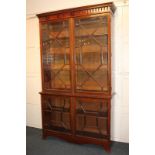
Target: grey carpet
x,y
35,145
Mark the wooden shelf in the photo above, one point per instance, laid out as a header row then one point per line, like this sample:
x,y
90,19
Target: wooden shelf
x,y
80,36
85,50
89,86
64,110
56,128
55,51
90,89
91,67
88,67
84,53
57,67
92,113
87,35
68,53
93,129
57,87
52,39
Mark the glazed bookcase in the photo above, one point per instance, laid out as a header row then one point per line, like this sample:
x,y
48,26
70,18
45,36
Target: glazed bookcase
x,y
76,73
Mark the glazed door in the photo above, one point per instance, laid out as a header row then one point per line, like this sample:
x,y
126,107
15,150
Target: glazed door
x,y
56,113
56,55
92,118
91,54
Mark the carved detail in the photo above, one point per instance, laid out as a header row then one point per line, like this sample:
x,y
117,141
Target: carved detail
x,y
92,11
110,8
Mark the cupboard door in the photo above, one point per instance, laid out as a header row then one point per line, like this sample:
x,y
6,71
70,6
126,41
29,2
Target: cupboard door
x,y
56,55
56,113
91,53
92,117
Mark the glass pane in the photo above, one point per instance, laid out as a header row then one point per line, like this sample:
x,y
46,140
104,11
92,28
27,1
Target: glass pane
x,y
56,113
55,46
91,117
91,48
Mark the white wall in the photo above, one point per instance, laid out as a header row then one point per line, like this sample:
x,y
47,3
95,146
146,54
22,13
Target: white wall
x,y
120,113
33,74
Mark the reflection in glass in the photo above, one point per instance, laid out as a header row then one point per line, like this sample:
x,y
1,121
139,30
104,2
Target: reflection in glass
x,y
57,113
55,47
91,48
91,117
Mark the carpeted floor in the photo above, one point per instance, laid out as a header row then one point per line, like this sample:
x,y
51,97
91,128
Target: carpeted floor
x,y
35,145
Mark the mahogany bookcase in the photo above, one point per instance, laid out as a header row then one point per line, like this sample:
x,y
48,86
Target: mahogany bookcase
x,y
75,47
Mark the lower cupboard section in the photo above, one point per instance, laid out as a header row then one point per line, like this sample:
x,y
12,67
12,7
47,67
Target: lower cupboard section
x,y
76,116
91,126
56,113
92,117
57,121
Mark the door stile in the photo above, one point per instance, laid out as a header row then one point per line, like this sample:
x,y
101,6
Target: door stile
x,y
72,66
109,119
109,53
